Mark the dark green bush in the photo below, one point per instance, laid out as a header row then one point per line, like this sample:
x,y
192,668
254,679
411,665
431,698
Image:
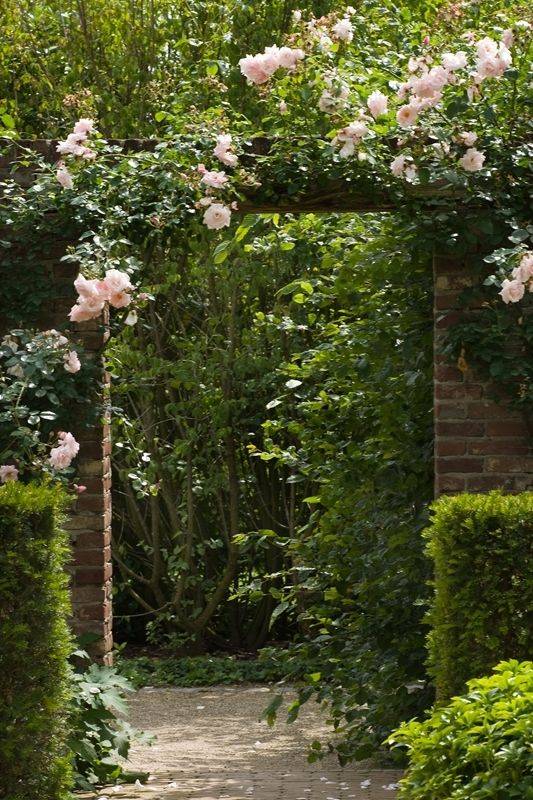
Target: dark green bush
x,y
481,547
479,746
34,645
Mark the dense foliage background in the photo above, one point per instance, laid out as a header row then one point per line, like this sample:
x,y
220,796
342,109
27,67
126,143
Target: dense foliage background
x,y
272,420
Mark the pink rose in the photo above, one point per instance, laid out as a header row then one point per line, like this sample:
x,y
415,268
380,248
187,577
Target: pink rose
x,y
407,115
82,313
119,299
468,138
64,177
377,104
72,362
349,136
217,216
85,126
397,166
117,281
472,161
524,271
67,449
253,69
223,150
343,30
8,473
216,180
79,489
289,57
508,37
431,82
453,61
512,291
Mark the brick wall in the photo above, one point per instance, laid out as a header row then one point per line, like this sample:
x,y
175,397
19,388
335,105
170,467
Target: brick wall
x,y
480,444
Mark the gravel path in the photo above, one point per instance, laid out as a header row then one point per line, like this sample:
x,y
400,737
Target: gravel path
x,y
211,746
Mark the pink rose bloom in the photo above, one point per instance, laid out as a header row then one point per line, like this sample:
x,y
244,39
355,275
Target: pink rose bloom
x,y
508,37
289,57
72,362
87,288
397,166
270,59
79,489
343,30
216,180
117,281
377,104
8,473
82,313
410,172
487,47
524,271
512,291
223,150
85,126
119,299
217,216
473,160
431,82
64,177
88,154
407,115
467,138
283,107
453,61
253,69
349,137
67,449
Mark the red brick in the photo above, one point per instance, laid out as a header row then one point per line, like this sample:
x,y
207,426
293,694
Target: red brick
x,y
474,391
449,483
458,429
446,447
450,411
100,611
448,373
86,540
508,428
484,483
449,465
496,447
91,558
445,321
487,411
449,391
509,464
93,575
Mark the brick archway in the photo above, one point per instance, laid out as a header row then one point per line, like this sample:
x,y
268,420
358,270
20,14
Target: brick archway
x,y
479,444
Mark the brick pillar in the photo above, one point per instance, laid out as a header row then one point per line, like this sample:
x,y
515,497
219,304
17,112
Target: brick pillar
x,y
480,444
90,522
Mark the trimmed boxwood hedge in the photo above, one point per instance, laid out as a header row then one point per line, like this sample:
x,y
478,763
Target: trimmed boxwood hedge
x,y
481,546
34,645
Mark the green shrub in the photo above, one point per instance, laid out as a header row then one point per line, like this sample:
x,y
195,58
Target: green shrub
x,y
479,746
34,645
481,546
99,738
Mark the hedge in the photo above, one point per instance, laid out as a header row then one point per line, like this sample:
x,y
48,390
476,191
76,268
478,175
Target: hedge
x,y
481,548
34,645
476,748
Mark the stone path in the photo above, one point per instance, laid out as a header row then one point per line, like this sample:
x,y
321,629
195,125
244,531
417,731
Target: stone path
x,y
211,746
